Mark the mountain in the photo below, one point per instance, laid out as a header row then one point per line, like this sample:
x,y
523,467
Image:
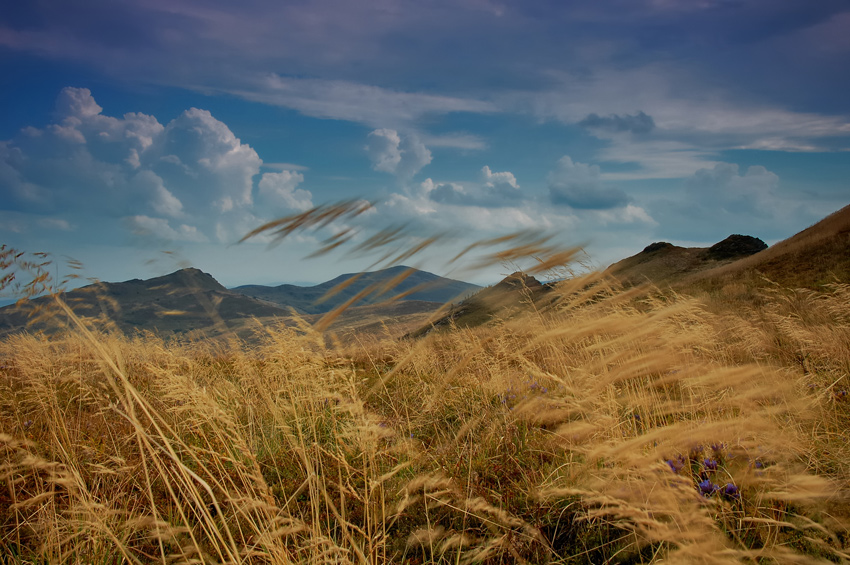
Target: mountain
x,y
665,263
185,300
190,300
413,284
813,258
514,294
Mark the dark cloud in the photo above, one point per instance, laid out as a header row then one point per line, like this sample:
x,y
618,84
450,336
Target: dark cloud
x,y
588,197
639,124
579,186
449,193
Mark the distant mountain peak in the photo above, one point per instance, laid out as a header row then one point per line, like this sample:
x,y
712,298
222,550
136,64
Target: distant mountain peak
x,y
189,276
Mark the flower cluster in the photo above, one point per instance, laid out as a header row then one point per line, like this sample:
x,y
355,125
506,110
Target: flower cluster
x,y
511,397
704,471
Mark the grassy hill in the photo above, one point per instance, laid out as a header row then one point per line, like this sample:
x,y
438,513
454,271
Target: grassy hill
x,y
590,432
737,266
665,263
516,294
590,424
413,284
813,258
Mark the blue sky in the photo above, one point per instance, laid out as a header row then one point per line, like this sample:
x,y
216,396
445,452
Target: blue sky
x,y
141,136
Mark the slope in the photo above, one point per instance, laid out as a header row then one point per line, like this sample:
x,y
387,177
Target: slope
x,y
813,258
185,300
665,263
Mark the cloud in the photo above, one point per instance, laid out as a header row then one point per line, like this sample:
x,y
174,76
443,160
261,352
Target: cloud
x,y
638,124
693,121
280,189
579,186
501,185
722,186
419,209
397,155
161,200
87,164
285,166
160,230
55,224
216,170
497,190
356,102
447,193
77,103
723,199
466,141
656,159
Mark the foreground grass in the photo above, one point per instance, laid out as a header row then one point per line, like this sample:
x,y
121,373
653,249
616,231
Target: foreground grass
x,y
609,428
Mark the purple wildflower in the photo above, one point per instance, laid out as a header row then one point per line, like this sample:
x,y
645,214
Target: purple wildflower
x,y
695,453
710,464
731,491
676,465
707,488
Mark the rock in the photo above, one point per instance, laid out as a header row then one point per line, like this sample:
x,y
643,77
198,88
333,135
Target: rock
x,y
657,246
735,246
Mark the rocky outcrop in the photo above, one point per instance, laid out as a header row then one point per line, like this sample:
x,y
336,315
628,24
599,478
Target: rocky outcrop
x,y
734,247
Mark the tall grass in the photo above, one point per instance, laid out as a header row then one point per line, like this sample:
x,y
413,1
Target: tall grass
x,y
604,426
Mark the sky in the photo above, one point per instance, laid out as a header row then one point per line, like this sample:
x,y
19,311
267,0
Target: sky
x,y
142,136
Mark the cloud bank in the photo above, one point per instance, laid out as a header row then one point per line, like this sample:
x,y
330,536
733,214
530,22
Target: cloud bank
x,y
580,186
181,180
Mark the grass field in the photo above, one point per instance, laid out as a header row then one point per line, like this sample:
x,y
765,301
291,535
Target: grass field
x,y
611,426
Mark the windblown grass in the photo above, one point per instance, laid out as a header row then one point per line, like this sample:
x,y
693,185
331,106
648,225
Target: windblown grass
x,y
607,426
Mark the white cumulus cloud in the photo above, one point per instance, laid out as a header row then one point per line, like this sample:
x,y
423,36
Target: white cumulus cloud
x,y
178,179
399,155
280,189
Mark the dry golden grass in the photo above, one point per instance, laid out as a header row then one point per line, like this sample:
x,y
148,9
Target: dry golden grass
x,y
608,426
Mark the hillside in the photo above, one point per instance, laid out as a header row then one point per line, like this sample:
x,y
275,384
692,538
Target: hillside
x,y
190,301
813,258
514,294
665,263
183,301
387,283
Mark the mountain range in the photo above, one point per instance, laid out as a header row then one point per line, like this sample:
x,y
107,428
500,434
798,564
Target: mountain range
x,y
190,300
412,283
